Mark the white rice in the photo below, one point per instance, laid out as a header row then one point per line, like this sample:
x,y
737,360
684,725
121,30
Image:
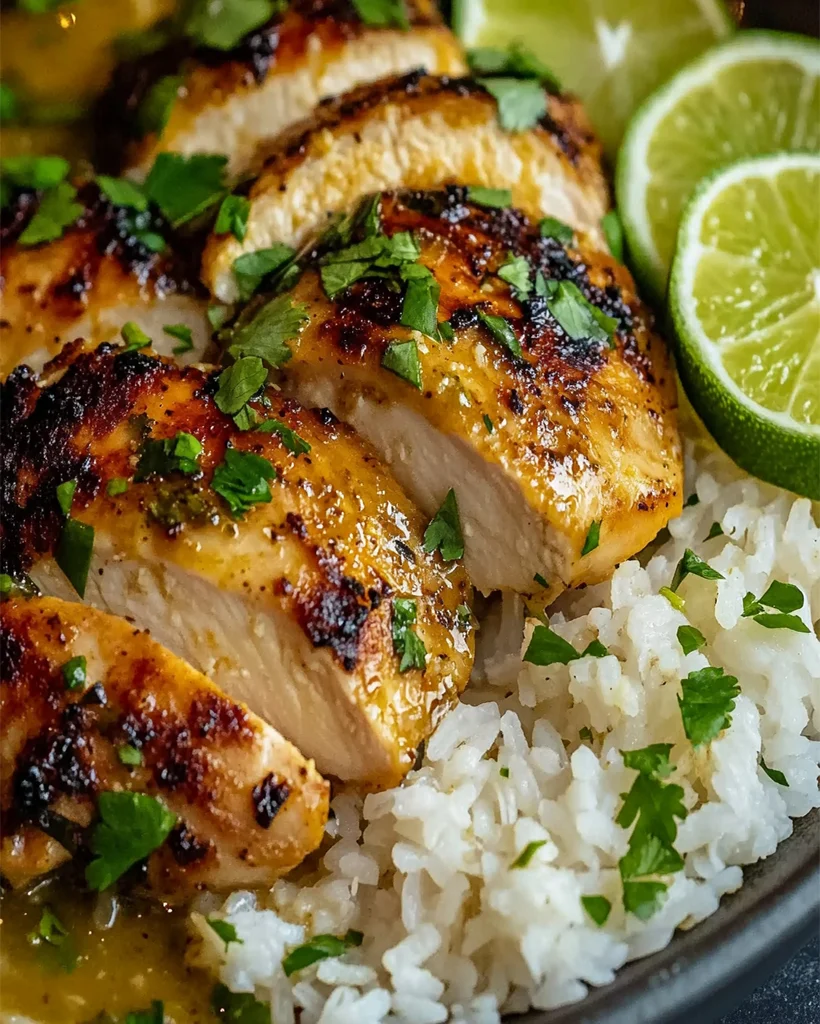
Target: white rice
x,y
423,871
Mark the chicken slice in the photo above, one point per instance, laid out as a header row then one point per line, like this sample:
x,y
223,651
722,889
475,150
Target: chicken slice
x,y
230,102
563,452
414,132
291,604
92,705
86,284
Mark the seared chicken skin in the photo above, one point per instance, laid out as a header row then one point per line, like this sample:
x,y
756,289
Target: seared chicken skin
x,y
558,436
97,276
414,132
287,564
228,102
92,705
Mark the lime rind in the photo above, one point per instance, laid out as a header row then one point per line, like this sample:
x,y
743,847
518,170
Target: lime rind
x,y
633,176
768,443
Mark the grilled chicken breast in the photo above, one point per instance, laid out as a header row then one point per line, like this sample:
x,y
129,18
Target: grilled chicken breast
x,y
414,132
563,452
86,284
291,603
227,102
92,705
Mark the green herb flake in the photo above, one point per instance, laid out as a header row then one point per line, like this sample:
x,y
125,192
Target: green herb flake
x,y
691,501
715,530
122,192
233,217
548,648
521,102
223,25
585,733
154,1015
420,304
56,212
674,599
446,332
129,755
75,672
614,234
516,61
117,485
65,495
217,315
774,774
691,565
9,103
73,553
402,358
502,331
488,423
238,1007
406,643
185,187
156,107
526,855
250,269
594,649
268,335
225,930
491,198
242,480
52,934
540,580
444,532
706,704
598,908
644,899
320,947
593,538
295,444
690,639
551,227
578,318
382,13
777,620
161,458
238,383
131,827
134,337
36,172
784,598
516,272
504,772
183,334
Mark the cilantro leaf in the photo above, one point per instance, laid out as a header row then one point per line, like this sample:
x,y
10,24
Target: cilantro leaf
x,y
521,102
73,553
595,649
382,13
238,1007
177,454
53,933
706,704
691,565
134,337
492,198
223,25
614,234
242,480
548,648
56,212
225,930
402,358
372,256
122,192
526,855
183,334
157,104
320,947
295,444
131,826
65,495
217,314
577,317
516,61
777,620
598,908
551,227
233,217
643,899
238,384
444,532
420,306
37,172
774,774
488,423
129,755
406,641
116,485
75,672
250,269
516,272
715,530
690,639
783,597
592,538
502,331
692,500
267,335
184,187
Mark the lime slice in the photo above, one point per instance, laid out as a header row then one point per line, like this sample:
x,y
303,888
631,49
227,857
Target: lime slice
x,y
744,295
611,53
758,93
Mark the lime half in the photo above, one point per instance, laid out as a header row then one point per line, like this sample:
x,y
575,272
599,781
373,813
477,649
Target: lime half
x,y
744,295
758,93
611,53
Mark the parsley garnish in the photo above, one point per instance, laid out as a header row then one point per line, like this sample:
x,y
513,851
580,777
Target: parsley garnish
x,y
75,672
402,358
521,102
592,538
76,543
614,234
320,947
116,485
406,641
223,25
690,639
420,299
548,648
36,172
177,454
691,565
784,598
238,1007
131,826
598,908
692,500
715,530
492,198
516,272
238,383
158,103
122,192
56,212
502,331
774,774
382,13
267,335
183,334
373,256
504,772
578,318
129,755
516,62
225,930
242,480
184,187
51,931
134,337
706,704
233,217
250,269
444,532
551,227
488,423
529,851
295,444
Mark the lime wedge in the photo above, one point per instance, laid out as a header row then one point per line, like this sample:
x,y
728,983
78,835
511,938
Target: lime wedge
x,y
758,93
611,53
744,295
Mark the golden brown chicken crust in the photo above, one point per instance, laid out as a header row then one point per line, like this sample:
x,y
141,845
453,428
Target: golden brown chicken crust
x,y
216,766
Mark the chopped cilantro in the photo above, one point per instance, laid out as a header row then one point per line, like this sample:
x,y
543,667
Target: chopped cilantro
x,y
75,672
233,217
420,304
247,418
674,599
492,198
65,495
521,102
267,335
693,499
73,553
56,212
131,826
402,358
598,908
320,947
223,25
551,227
134,337
238,383
444,532
614,234
464,615
593,537
504,772
129,755
183,334
184,187
529,851
406,641
595,649
177,454
516,272
371,257
116,485
715,530
154,1015
502,331
516,62
585,733
225,930
36,172
445,331
643,899
577,317
250,269
156,107
52,933
217,314
242,480
238,1007
122,192
784,598
295,444
691,565
382,13
548,648
777,620
488,423
706,704
774,774
690,639
540,580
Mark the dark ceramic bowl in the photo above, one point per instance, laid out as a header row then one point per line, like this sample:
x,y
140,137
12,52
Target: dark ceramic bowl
x,y
705,972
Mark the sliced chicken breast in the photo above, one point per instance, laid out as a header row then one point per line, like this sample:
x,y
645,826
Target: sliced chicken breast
x,y
283,561
414,132
548,405
97,276
91,705
229,102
